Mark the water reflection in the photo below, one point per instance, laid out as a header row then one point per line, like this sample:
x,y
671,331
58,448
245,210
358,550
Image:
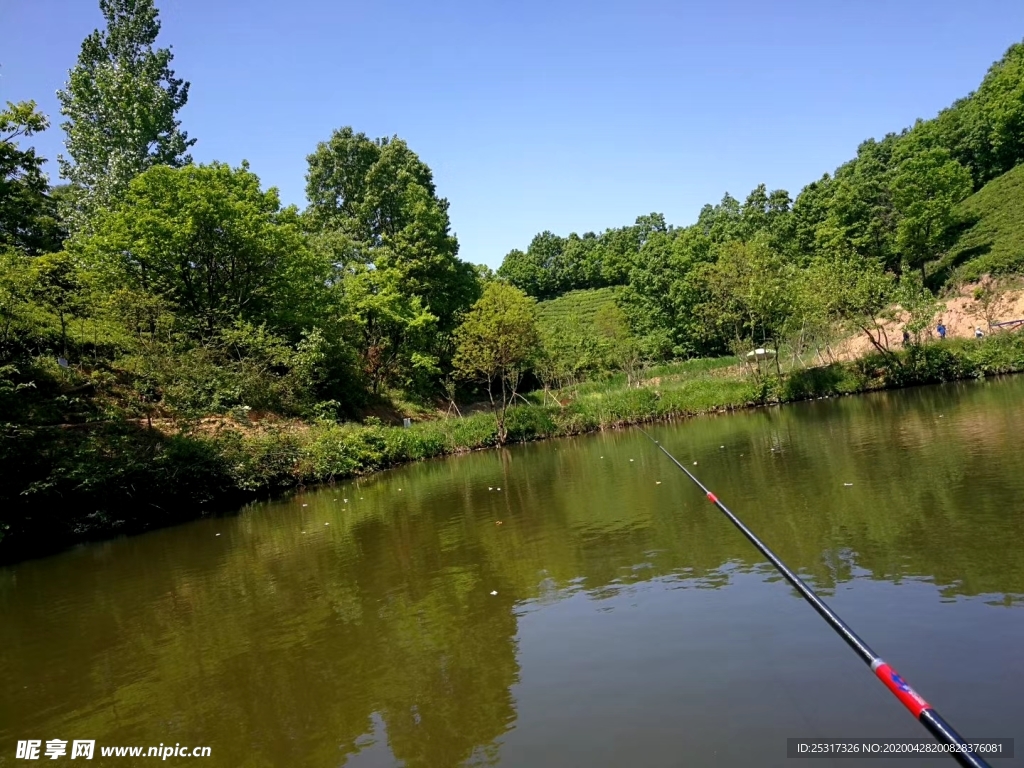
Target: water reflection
x,y
357,625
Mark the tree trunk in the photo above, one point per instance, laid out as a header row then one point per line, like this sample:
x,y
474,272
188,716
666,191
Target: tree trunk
x,y
885,352
63,336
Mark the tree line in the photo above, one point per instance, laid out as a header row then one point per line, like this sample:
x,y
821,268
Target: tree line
x,y
181,289
747,272
190,285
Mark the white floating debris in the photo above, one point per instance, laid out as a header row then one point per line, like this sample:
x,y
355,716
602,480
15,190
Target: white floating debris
x,y
490,487
630,459
695,463
847,484
345,500
305,505
326,523
657,482
498,489
721,446
494,591
218,534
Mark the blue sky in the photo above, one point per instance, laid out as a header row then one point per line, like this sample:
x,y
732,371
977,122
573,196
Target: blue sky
x,y
567,116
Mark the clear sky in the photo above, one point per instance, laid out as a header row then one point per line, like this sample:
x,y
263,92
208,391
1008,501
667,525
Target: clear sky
x,y
568,116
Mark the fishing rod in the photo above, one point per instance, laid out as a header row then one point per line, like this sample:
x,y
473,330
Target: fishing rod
x,y
911,699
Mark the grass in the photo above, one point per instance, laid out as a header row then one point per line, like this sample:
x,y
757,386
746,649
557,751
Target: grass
x,y
994,243
59,486
665,375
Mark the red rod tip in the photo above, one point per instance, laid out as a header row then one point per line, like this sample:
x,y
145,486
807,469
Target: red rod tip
x,y
712,498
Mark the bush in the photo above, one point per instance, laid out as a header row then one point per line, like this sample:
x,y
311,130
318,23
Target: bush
x,y
827,381
124,478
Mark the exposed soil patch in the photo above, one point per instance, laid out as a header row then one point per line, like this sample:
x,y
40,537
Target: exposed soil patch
x,y
961,315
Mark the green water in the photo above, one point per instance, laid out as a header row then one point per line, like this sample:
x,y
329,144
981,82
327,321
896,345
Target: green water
x,y
632,625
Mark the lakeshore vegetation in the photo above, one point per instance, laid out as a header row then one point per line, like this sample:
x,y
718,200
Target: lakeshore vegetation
x,y
173,339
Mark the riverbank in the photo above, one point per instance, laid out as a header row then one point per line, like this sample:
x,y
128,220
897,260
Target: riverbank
x,y
66,485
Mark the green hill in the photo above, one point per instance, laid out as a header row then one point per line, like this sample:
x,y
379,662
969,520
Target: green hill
x,y
994,243
583,304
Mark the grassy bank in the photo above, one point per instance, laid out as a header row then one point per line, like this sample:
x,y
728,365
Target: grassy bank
x,y
62,485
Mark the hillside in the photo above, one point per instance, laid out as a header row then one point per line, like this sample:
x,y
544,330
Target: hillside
x,y
994,243
584,304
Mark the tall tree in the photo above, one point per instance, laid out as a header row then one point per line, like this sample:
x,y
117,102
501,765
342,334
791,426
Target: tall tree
x,y
620,248
26,209
810,211
861,214
723,221
213,245
667,293
996,115
121,102
926,189
525,272
393,330
381,196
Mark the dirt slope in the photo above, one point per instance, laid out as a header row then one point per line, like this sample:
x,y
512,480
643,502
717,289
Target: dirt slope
x,y
961,315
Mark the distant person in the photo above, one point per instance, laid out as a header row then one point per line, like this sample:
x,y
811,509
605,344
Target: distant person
x,y
977,333
942,330
906,338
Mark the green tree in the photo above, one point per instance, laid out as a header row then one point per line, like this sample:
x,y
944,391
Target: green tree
x,y
213,245
121,102
621,348
526,272
580,267
861,211
723,221
751,294
648,300
926,189
620,248
17,319
668,301
393,329
997,109
538,272
495,344
381,195
569,350
27,217
854,293
913,304
58,286
809,213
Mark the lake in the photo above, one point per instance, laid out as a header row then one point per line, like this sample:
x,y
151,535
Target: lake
x,y
567,603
